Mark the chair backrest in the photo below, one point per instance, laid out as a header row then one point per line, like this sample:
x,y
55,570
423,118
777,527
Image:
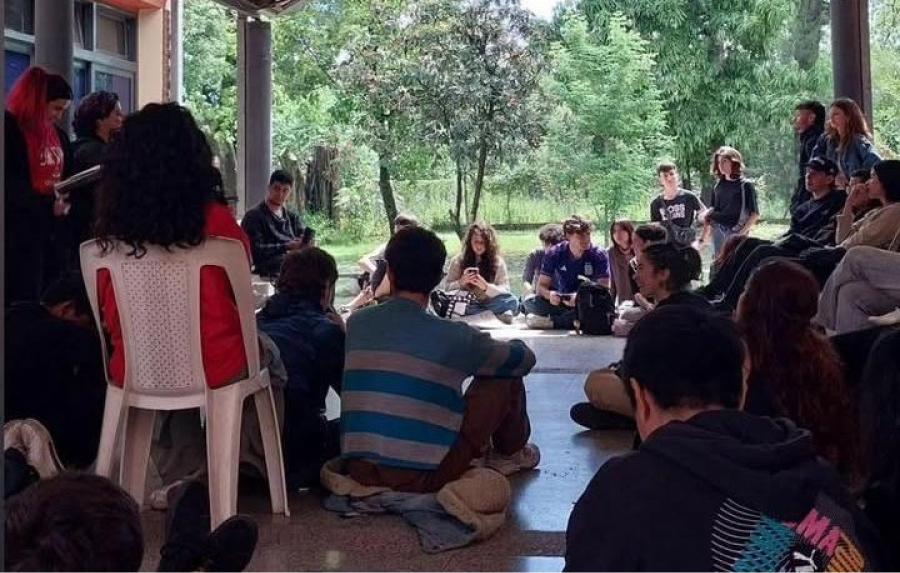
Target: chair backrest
x,y
158,300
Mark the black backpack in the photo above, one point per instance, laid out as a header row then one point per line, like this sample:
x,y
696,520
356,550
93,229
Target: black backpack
x,y
596,309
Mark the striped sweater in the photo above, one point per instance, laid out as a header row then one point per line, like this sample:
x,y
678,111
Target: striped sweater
x,y
402,403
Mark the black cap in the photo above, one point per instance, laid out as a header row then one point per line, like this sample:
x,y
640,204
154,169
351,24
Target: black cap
x,y
822,164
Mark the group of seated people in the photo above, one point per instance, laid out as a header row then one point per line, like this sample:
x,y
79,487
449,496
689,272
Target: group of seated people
x,y
720,480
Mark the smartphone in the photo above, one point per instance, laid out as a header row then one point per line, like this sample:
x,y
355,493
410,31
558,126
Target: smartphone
x,y
471,271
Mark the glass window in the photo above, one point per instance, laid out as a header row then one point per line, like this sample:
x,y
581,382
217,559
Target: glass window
x,y
115,34
118,84
82,86
16,64
19,15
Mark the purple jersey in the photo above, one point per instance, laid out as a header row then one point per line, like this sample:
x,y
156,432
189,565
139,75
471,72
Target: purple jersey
x,y
564,269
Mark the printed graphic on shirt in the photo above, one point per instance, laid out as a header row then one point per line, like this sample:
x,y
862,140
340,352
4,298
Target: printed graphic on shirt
x,y
672,212
746,540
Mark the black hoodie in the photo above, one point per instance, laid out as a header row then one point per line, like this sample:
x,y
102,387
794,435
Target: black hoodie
x,y
724,491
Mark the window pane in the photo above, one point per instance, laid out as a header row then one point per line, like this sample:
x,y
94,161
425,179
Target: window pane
x,y
120,85
81,82
16,64
19,15
113,35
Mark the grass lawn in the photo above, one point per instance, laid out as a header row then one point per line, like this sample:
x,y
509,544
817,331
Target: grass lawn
x,y
515,246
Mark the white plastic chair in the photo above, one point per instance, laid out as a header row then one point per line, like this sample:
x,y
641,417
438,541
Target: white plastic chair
x,y
158,299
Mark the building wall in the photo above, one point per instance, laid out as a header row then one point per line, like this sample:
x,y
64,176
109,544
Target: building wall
x,y
120,46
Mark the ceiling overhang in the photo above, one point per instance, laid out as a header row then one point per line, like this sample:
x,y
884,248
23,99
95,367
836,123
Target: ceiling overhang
x,y
263,7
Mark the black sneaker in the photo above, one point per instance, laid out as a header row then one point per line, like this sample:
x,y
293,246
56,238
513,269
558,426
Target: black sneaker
x,y
187,528
440,303
585,414
230,547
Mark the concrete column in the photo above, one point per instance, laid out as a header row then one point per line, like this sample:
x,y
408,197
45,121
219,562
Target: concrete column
x,y
850,52
151,72
53,42
254,140
176,51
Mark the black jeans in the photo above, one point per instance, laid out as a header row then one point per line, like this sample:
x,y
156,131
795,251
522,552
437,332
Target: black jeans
x,y
563,316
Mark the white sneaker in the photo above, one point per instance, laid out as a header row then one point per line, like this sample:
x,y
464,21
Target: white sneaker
x,y
506,317
888,319
525,459
32,439
538,322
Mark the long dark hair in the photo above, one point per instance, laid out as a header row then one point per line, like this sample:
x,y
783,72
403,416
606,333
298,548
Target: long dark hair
x,y
158,179
798,363
856,123
487,267
683,263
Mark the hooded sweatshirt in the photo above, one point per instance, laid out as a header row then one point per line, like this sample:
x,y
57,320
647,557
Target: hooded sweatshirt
x,y
724,491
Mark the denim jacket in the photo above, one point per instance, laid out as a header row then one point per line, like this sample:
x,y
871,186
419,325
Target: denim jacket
x,y
860,154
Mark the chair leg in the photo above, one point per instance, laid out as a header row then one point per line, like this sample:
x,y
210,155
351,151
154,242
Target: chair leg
x,y
224,409
136,451
112,417
271,438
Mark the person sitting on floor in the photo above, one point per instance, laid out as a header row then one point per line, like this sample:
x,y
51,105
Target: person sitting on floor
x,y
803,378
372,283
405,422
742,491
273,228
865,284
619,254
675,208
549,235
481,271
564,268
310,340
664,272
54,369
83,522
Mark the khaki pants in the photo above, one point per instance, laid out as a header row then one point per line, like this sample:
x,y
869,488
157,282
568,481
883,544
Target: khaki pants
x,y
495,415
606,391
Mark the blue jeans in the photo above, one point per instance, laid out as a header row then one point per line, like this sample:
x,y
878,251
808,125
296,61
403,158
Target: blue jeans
x,y
720,234
501,303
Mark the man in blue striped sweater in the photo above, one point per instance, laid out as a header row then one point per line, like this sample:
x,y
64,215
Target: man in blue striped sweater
x,y
405,421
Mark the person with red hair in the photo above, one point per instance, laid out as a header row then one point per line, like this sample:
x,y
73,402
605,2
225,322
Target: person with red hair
x,y
36,159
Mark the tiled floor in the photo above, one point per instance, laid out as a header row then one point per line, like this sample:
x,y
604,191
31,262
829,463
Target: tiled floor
x,y
533,538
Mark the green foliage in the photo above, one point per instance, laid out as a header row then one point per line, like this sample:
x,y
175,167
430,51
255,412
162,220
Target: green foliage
x,y
210,57
886,74
608,130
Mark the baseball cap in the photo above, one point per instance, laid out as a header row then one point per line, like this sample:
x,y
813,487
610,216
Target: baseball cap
x,y
822,164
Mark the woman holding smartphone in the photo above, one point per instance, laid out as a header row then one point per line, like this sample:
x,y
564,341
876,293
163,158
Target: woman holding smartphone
x,y
481,270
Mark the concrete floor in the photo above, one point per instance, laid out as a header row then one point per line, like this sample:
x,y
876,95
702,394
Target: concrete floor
x,y
534,536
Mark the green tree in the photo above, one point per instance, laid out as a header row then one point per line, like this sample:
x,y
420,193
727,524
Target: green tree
x,y
609,131
478,65
210,59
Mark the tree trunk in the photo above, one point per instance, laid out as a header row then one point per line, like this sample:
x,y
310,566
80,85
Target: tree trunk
x,y
322,181
812,15
479,178
457,224
387,193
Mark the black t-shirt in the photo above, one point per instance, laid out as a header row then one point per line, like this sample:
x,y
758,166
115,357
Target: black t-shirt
x,y
727,202
681,210
811,216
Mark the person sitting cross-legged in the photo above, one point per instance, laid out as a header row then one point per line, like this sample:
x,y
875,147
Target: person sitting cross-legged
x,y
310,339
663,272
405,422
480,270
711,487
564,267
